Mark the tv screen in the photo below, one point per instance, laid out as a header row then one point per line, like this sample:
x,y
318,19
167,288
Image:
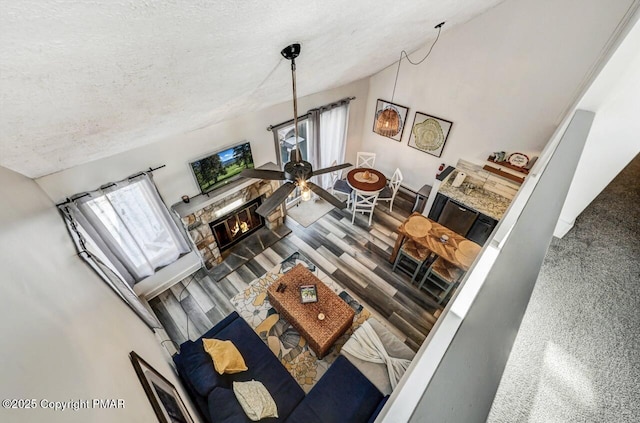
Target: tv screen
x,y
220,168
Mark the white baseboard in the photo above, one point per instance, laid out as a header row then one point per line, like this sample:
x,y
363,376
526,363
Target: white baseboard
x,y
562,228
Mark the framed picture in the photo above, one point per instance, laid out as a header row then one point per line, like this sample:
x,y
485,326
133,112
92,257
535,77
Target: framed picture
x,y
308,294
163,396
386,109
429,133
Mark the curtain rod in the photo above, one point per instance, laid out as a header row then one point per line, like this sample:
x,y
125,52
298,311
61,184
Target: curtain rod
x,y
321,108
69,200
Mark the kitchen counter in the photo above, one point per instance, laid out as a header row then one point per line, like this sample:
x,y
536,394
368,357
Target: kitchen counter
x,y
483,201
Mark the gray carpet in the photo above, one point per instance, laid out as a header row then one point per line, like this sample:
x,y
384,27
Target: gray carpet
x,y
576,357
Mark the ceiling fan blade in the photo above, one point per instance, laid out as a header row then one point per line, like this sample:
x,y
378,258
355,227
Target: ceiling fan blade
x,y
278,196
274,175
331,169
325,195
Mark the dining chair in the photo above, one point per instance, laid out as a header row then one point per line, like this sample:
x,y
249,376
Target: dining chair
x,y
410,258
365,159
389,192
364,202
444,276
339,185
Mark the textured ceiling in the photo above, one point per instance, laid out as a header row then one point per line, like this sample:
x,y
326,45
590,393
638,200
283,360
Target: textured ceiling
x,y
82,80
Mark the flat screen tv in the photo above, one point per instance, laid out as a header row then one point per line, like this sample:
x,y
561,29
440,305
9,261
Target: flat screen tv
x,y
222,167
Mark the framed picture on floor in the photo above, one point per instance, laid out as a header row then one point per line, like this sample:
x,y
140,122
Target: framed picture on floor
x,y
390,119
163,396
429,133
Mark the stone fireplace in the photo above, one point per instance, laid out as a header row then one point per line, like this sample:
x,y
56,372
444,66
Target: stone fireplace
x,y
237,225
205,213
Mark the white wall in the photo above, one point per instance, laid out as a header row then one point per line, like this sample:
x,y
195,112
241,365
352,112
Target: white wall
x,y
65,334
176,180
504,79
614,139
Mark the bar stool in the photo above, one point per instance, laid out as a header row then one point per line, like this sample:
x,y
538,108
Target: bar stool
x,y
415,255
443,275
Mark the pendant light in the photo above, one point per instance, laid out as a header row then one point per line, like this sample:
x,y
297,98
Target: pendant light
x,y
388,121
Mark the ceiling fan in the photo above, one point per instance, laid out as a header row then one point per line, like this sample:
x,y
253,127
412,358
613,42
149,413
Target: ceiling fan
x,y
297,171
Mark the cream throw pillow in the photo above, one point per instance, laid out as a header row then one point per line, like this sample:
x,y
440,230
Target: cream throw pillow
x,y
226,357
255,400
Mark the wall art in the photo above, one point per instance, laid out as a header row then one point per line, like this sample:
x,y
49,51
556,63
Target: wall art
x,y
429,133
384,112
163,396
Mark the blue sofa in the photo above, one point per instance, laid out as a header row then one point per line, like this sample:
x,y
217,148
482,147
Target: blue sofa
x,y
343,394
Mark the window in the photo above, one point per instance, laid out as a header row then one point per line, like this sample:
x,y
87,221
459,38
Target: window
x,y
287,141
132,227
322,137
286,144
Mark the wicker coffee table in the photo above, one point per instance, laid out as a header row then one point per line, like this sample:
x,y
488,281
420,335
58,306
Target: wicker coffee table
x,y
320,334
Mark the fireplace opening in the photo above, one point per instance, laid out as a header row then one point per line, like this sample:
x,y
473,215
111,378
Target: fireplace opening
x,y
237,225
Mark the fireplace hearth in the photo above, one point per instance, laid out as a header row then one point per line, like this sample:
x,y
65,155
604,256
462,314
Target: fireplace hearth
x,y
237,225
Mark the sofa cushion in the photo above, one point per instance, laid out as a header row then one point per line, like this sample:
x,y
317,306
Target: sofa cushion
x,y
200,401
378,409
195,365
198,368
343,394
224,408
263,366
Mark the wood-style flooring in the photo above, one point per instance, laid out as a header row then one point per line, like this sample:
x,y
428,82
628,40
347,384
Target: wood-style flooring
x,y
356,256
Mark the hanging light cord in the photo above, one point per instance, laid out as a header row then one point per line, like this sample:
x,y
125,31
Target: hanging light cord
x,y
403,52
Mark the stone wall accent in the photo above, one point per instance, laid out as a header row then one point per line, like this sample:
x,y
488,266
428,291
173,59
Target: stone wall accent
x,y
197,223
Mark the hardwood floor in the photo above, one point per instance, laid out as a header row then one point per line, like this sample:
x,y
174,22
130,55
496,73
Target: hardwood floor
x,y
354,255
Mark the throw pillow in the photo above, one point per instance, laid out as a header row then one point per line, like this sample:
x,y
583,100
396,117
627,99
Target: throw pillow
x,y
255,400
226,357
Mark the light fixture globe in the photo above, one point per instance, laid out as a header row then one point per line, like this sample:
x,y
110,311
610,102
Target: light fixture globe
x,y
388,122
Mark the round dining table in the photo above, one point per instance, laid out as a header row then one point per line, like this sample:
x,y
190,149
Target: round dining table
x,y
366,179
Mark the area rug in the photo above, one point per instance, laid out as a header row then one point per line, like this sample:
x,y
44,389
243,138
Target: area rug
x,y
307,212
282,338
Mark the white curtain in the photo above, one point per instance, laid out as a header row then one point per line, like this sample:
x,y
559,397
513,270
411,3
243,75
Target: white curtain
x,y
314,143
333,139
131,226
96,260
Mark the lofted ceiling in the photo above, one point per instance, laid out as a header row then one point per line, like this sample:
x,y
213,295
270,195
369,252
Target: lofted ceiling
x,y
83,80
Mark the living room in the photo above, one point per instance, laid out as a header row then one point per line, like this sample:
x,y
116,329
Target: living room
x,y
499,96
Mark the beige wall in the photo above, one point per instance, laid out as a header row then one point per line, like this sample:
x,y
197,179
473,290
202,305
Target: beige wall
x,y
176,180
65,334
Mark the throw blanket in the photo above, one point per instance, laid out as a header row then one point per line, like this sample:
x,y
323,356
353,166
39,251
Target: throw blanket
x,y
366,345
